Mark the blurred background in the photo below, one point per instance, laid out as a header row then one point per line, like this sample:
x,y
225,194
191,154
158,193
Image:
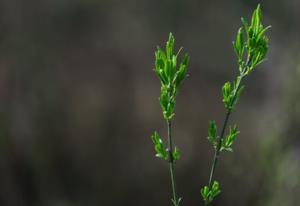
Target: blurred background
x,y
79,101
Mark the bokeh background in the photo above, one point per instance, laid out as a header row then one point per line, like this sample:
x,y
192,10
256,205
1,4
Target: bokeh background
x,y
79,101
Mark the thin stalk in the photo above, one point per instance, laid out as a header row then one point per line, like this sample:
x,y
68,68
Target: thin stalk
x,y
171,163
217,150
220,139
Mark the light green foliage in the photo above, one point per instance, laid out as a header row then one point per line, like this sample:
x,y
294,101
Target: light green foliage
x,y
229,139
160,150
250,46
159,146
226,142
231,95
252,50
227,94
208,194
170,76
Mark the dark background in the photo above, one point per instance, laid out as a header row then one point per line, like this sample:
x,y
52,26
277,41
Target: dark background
x,y
79,101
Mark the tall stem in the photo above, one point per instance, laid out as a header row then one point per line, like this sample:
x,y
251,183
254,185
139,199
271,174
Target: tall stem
x,y
171,163
219,143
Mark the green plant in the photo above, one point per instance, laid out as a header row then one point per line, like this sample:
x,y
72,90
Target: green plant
x,y
170,75
250,51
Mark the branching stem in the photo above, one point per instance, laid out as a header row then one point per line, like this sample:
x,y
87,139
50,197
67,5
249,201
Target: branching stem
x,y
221,137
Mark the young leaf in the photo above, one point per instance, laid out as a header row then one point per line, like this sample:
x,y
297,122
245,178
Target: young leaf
x,y
226,90
170,46
208,194
205,193
256,19
256,43
228,141
215,190
238,44
181,73
164,99
174,61
159,147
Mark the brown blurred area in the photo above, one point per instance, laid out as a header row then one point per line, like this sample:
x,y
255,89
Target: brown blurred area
x,y
79,101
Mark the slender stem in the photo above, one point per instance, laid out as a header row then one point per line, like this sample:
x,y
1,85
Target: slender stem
x,y
221,137
171,163
217,150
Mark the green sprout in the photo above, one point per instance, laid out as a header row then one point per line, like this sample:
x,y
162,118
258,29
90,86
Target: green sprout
x,y
251,46
209,194
171,75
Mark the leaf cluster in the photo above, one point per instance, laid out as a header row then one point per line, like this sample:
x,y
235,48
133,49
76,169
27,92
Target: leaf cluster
x,y
161,151
208,194
226,142
170,75
251,44
159,146
229,139
231,94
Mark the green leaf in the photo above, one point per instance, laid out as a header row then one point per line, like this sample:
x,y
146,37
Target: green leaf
x,y
164,99
215,190
227,91
262,32
168,109
205,193
174,61
256,19
228,141
209,194
238,44
256,43
169,70
160,64
159,147
161,75
170,46
181,73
